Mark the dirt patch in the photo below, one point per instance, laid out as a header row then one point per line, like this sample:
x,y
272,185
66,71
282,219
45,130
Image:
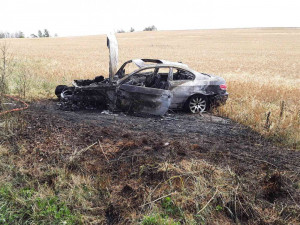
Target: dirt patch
x,y
273,187
112,215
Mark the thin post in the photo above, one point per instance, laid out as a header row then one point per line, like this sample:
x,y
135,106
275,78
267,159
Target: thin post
x,y
267,126
281,109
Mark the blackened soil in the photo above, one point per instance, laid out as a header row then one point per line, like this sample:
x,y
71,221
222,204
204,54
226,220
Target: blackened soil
x,y
207,132
9,104
130,149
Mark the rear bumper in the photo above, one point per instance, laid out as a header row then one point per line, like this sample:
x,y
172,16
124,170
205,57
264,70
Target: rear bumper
x,y
220,99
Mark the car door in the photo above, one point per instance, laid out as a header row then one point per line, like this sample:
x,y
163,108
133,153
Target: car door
x,y
181,85
135,96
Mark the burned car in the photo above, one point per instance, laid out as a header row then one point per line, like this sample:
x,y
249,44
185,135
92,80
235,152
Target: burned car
x,y
148,86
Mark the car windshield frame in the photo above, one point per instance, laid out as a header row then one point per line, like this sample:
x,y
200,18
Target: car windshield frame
x,y
122,80
139,63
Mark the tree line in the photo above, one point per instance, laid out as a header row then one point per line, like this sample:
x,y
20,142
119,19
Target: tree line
x,y
46,33
41,34
20,34
150,28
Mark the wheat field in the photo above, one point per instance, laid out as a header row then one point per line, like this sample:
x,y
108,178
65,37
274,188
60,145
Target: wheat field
x,y
261,68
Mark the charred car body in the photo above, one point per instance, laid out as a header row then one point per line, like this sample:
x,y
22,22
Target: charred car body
x,y
153,87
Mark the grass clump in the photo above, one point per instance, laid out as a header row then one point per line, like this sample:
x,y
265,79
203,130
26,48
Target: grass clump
x,y
157,219
170,208
21,206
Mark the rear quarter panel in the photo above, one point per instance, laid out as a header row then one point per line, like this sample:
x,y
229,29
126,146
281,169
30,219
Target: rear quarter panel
x,y
183,89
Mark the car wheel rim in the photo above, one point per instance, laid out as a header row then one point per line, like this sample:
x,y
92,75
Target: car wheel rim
x,y
197,105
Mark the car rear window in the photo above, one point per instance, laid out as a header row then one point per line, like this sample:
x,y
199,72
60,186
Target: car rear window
x,y
180,74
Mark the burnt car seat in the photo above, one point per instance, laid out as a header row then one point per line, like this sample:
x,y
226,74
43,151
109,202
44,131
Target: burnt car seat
x,y
151,79
161,82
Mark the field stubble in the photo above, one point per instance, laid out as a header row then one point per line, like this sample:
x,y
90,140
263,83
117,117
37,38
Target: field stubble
x,y
261,67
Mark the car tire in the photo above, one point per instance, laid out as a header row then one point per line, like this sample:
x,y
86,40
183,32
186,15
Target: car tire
x,y
197,104
59,89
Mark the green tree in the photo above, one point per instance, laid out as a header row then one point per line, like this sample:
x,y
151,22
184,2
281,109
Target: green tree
x,y
46,33
150,28
40,34
19,34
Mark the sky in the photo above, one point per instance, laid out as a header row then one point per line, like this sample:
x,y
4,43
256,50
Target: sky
x,y
91,17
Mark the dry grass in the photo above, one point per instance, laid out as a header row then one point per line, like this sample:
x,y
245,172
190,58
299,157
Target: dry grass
x,y
261,67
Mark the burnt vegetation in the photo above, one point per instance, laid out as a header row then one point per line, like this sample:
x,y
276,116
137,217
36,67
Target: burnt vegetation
x,y
118,169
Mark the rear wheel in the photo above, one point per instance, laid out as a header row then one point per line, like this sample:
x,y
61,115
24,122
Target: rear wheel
x,y
197,104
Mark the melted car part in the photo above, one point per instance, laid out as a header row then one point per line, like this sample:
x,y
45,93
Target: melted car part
x,y
138,95
94,96
152,101
87,82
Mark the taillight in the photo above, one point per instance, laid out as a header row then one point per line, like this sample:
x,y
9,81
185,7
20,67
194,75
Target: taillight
x,y
223,86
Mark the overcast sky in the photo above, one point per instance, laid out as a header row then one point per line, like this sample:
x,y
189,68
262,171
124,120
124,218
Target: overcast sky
x,y
88,17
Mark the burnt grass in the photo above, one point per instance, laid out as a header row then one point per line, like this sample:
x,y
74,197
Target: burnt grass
x,y
123,155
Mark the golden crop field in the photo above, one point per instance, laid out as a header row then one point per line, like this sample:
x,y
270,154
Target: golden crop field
x,y
261,67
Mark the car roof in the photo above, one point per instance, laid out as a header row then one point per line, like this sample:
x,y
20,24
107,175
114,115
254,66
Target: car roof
x,y
157,63
144,63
